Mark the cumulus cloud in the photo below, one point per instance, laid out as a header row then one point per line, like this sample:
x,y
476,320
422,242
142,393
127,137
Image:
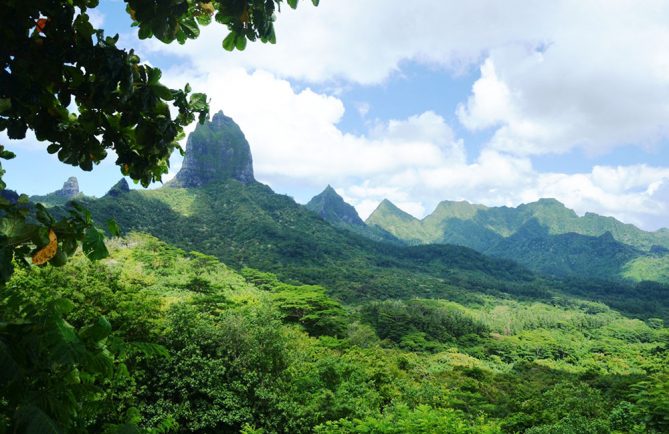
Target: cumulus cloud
x,y
555,77
294,133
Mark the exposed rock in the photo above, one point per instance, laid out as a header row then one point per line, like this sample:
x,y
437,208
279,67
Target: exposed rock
x,y
332,208
70,188
215,151
119,188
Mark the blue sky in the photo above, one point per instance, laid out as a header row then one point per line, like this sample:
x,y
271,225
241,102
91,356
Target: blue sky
x,y
498,103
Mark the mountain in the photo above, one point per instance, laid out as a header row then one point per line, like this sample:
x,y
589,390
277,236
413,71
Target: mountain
x,y
226,213
69,191
245,224
332,208
402,225
545,236
119,188
567,254
215,151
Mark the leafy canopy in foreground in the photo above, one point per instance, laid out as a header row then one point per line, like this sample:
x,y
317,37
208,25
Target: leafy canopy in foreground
x,y
70,84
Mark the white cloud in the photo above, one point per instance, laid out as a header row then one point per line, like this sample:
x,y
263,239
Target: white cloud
x,y
295,133
633,194
365,41
555,76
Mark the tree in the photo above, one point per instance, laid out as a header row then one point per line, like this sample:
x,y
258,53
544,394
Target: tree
x,y
70,84
74,88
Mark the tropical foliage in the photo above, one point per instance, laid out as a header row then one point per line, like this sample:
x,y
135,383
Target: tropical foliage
x,y
160,340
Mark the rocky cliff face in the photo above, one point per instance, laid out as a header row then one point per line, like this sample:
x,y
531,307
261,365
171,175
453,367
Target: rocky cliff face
x,y
70,188
215,151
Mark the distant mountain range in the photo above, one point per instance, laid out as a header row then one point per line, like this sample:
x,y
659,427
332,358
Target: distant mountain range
x,y
545,236
461,251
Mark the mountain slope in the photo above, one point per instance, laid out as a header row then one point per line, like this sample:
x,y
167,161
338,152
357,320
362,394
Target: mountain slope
x,y
245,224
250,225
545,236
400,224
332,208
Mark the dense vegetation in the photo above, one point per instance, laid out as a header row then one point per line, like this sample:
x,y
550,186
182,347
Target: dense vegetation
x,y
251,226
157,338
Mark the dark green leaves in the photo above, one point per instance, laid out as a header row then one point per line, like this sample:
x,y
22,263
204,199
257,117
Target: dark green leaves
x,y
94,244
98,331
113,228
32,420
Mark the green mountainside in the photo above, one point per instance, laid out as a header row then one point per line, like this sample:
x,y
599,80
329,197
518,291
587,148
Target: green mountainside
x,y
246,224
545,236
158,339
228,308
402,225
250,225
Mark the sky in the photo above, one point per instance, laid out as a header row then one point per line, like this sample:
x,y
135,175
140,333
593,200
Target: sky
x,y
499,103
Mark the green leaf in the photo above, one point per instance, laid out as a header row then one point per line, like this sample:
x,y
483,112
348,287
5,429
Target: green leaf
x,y
32,420
229,41
113,228
190,28
16,230
163,92
240,43
94,244
292,3
198,102
98,331
204,19
5,154
43,215
62,306
315,2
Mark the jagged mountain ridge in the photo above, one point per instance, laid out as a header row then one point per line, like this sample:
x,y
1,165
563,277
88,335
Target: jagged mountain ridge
x,y
545,235
505,221
245,223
